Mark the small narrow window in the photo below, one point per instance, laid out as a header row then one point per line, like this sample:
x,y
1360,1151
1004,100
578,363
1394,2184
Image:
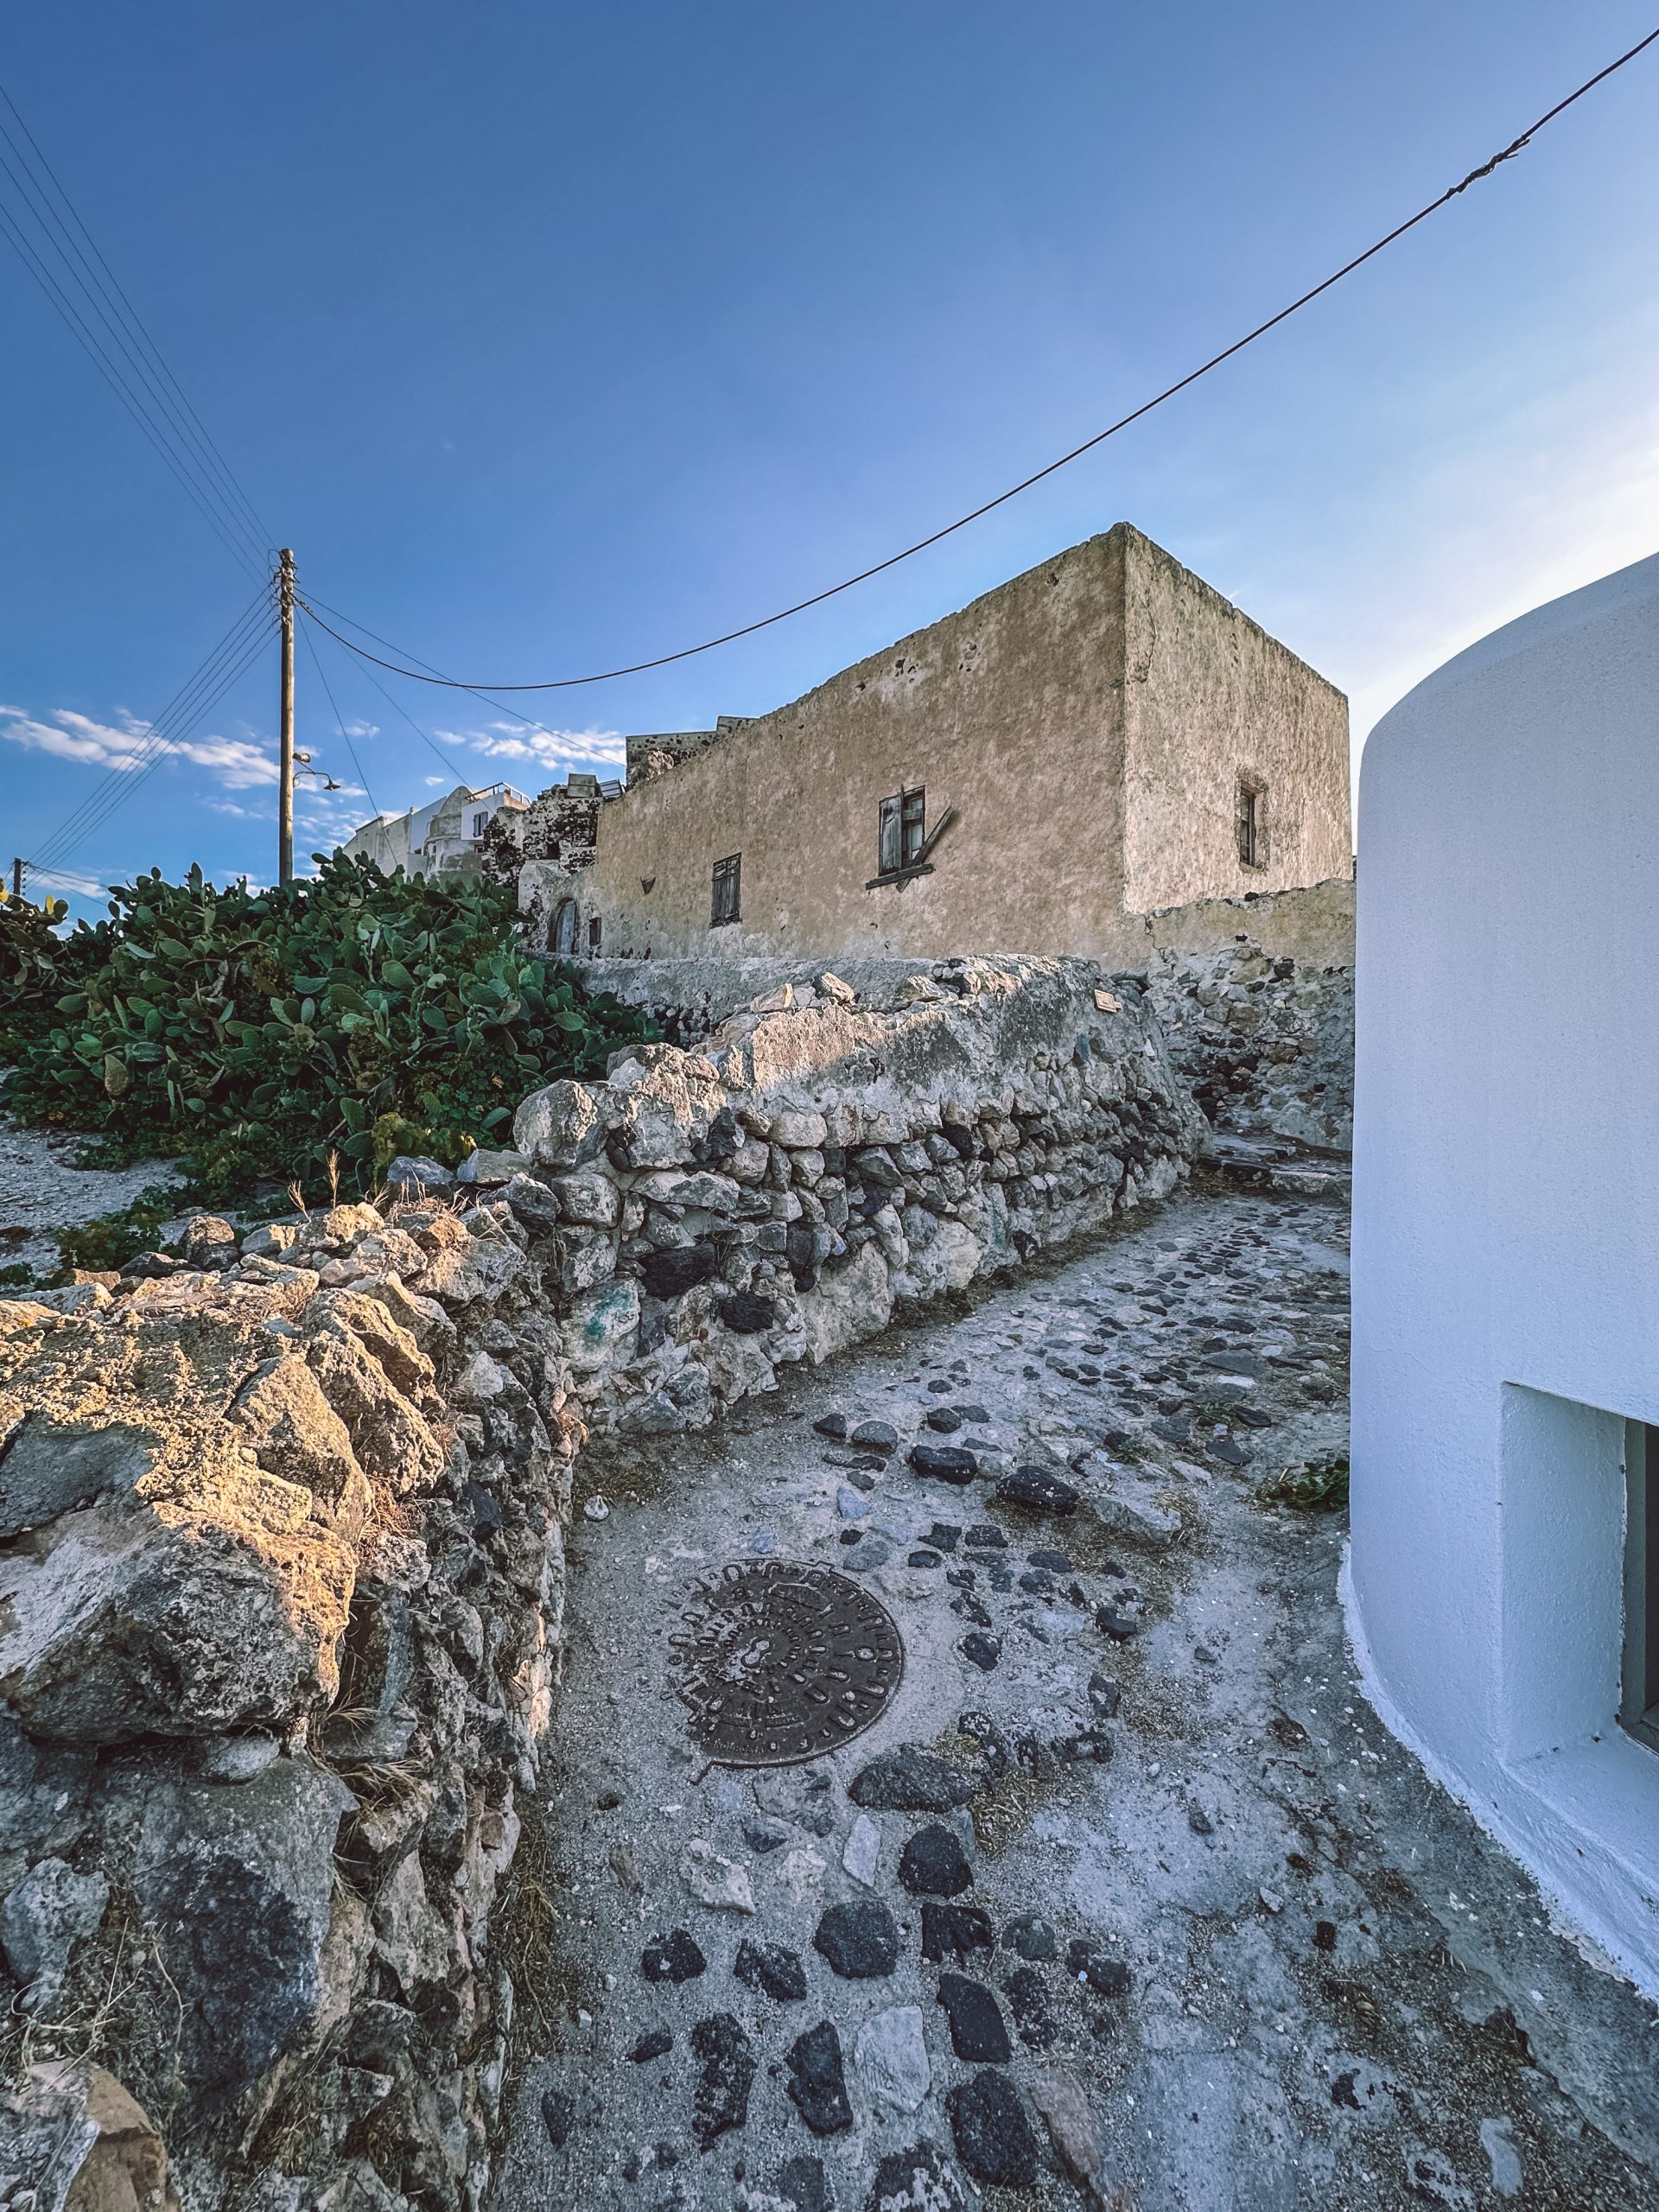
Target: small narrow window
x,y
1638,1708
724,906
900,830
593,937
481,823
561,938
1250,822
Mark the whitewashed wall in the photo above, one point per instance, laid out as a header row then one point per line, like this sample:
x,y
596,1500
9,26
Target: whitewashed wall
x,y
1506,1230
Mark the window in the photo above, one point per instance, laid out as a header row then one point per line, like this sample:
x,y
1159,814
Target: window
x,y
1639,1704
593,937
561,937
1250,822
481,823
724,906
899,830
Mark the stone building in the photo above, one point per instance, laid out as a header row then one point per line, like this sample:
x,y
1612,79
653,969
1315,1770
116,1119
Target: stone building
x,y
1101,737
1505,1560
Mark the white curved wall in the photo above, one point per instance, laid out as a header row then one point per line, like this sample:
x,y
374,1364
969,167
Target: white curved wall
x,y
1506,1230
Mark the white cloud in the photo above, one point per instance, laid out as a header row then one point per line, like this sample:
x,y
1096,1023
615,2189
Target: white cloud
x,y
71,879
548,748
430,780
234,763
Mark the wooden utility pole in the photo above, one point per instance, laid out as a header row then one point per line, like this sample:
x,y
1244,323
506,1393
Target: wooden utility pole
x,y
285,773
17,867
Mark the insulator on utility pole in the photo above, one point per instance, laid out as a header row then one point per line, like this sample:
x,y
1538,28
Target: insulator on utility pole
x,y
285,768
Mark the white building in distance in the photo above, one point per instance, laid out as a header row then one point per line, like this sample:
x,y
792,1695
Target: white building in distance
x,y
441,838
1504,1583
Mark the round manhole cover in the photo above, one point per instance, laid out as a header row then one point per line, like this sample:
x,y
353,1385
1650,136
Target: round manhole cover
x,y
780,1663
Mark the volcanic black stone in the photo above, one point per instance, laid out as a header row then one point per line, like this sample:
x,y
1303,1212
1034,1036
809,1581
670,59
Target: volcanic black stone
x,y
993,2137
1087,1963
976,1414
1200,1821
916,2180
651,2046
747,1314
1031,1936
970,1609
1028,2002
875,1436
981,1651
1119,1626
944,1536
721,2098
831,1425
944,1463
977,2032
985,1536
485,1512
859,1476
934,1865
772,1966
1252,1417
1001,1578
942,1418
670,1274
954,1931
558,2116
817,2086
1038,1491
961,1578
924,1559
859,1939
911,1780
1088,1747
803,2186
1037,1581
801,1255
1173,1430
671,1958
1229,1453
764,1834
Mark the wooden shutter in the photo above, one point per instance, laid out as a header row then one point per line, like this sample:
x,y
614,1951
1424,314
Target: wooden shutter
x,y
889,836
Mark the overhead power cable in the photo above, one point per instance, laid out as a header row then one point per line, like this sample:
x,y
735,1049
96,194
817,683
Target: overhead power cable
x,y
129,784
500,705
44,227
194,699
419,674
246,624
316,663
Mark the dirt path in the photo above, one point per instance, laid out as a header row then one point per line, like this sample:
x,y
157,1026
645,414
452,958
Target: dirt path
x,y
1198,1906
42,1191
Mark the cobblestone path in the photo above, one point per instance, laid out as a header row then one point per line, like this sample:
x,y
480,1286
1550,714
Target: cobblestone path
x,y
1127,1898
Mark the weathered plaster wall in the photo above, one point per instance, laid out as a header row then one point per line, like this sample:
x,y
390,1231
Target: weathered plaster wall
x,y
1011,712
1007,711
1211,696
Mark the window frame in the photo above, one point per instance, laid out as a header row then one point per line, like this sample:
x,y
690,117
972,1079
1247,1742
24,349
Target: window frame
x,y
728,873
1250,835
900,831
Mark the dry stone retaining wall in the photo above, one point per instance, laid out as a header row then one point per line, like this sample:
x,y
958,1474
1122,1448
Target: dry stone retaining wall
x,y
281,1559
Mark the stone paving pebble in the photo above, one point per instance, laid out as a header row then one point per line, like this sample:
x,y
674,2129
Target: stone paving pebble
x,y
1127,1900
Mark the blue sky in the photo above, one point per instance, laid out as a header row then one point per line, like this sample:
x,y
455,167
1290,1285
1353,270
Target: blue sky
x,y
552,336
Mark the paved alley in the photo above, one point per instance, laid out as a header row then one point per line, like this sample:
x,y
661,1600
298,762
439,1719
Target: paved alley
x,y
1125,1898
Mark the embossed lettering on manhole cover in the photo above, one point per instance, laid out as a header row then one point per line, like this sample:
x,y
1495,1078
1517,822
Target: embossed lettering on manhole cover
x,y
780,1662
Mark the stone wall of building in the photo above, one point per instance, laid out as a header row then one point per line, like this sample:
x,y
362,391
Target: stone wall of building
x,y
1084,727
281,1568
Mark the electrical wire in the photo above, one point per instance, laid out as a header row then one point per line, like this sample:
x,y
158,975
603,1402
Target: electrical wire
x,y
202,439
219,502
200,691
316,663
131,783
748,629
156,738
500,705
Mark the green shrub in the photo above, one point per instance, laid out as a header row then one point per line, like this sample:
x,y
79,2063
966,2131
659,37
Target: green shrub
x,y
1313,1485
285,1034
112,1239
